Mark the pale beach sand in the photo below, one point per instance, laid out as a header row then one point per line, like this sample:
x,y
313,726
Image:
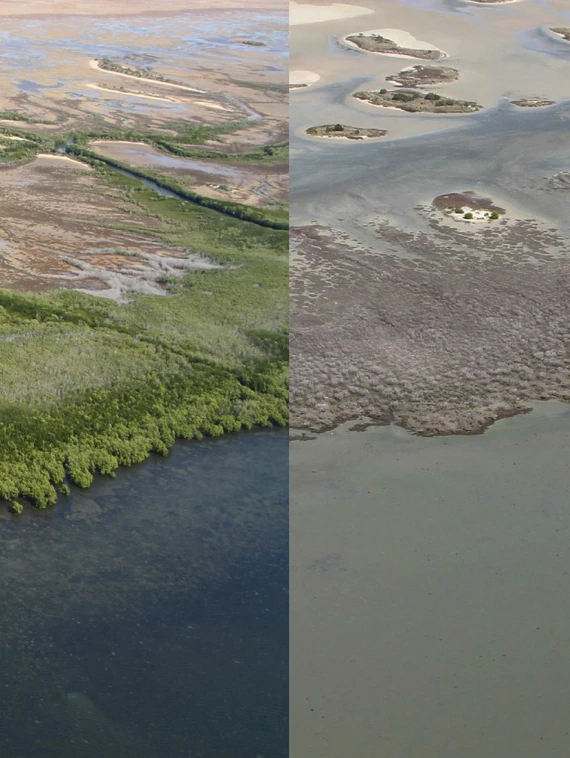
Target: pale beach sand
x,y
62,158
303,13
214,106
303,77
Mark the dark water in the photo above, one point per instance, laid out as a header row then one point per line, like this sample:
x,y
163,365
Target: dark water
x,y
148,616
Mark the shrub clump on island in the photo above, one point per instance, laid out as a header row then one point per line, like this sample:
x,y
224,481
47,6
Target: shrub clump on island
x,y
423,75
467,206
414,101
344,131
376,43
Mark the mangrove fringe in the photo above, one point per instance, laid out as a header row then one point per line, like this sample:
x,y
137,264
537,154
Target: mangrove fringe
x,y
242,212
43,451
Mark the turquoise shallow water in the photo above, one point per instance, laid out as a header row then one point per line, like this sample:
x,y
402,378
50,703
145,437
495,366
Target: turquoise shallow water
x,y
147,617
429,592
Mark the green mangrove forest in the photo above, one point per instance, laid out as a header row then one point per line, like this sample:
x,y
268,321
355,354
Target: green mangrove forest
x,y
89,384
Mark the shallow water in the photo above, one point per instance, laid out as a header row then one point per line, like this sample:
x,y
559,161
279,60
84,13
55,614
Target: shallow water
x,y
145,155
147,617
429,586
503,151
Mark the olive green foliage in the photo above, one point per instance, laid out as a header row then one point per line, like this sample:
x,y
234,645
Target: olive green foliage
x,y
88,384
259,216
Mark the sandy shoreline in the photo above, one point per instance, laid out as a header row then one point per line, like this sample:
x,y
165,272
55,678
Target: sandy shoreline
x,y
306,78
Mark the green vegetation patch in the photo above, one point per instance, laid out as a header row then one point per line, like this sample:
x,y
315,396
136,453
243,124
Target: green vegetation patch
x,y
88,384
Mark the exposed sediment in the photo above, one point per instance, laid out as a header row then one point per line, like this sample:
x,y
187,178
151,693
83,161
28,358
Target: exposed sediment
x,y
472,326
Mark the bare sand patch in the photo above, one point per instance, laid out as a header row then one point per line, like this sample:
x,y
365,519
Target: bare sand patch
x,y
304,13
62,159
302,79
17,8
214,106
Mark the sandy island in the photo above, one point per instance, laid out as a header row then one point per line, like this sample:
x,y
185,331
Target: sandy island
x,y
533,102
413,101
423,75
345,132
396,43
559,32
302,13
468,207
133,94
302,79
95,65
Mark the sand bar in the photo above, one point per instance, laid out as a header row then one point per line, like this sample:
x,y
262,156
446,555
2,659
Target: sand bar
x,y
303,13
95,65
133,94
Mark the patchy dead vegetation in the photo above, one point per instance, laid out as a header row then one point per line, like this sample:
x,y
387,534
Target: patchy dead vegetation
x,y
466,328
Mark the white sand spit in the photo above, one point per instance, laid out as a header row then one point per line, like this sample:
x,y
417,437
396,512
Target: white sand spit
x,y
205,104
303,13
69,161
307,78
95,65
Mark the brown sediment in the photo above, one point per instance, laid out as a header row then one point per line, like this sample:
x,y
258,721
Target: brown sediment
x,y
469,328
